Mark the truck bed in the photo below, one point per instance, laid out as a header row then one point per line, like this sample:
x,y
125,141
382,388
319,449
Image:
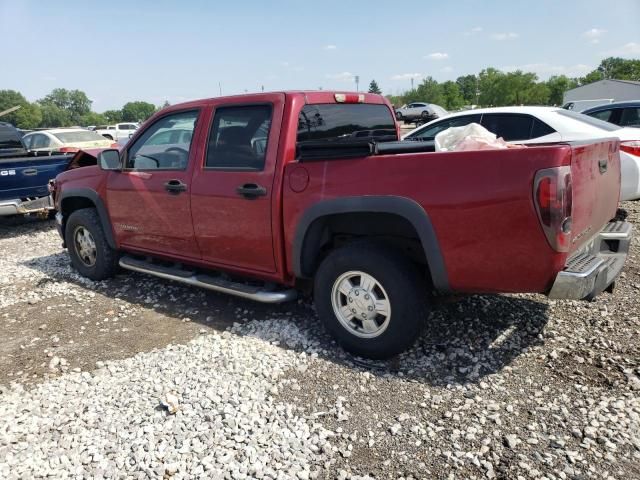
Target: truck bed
x,y
480,204
27,177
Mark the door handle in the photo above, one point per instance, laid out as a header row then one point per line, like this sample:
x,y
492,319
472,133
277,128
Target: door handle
x,y
251,190
175,187
603,165
30,172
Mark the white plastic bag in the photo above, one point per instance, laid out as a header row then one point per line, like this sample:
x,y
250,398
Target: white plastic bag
x,y
468,137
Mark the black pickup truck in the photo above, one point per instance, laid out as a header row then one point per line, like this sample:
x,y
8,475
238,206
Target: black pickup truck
x,y
25,175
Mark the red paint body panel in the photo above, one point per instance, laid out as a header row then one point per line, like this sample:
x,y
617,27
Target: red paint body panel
x,y
480,204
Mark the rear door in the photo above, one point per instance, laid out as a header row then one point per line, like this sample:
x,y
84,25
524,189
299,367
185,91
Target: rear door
x,y
149,200
232,191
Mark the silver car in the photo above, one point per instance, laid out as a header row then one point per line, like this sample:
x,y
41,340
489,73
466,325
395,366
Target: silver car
x,y
420,112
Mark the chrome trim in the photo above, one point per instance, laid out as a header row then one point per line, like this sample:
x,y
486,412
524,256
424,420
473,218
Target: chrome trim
x,y
259,296
586,285
20,207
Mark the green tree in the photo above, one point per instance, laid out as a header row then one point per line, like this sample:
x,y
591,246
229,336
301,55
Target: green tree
x,y
137,111
468,85
557,86
164,105
113,116
374,88
54,116
453,99
93,118
430,91
620,69
27,116
74,102
493,89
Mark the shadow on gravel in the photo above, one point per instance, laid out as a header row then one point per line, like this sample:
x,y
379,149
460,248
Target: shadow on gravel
x,y
463,342
21,224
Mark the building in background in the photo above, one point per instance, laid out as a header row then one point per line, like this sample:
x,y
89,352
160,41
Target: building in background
x,y
601,92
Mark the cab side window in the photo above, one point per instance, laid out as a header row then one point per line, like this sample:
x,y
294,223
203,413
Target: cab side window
x,y
238,137
165,145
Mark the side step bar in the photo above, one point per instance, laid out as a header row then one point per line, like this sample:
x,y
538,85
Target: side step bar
x,y
218,284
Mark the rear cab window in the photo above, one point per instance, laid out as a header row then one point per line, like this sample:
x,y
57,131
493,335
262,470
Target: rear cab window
x,y
346,122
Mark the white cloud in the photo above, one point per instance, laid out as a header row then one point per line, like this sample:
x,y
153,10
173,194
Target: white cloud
x,y
594,35
284,64
437,56
446,69
342,76
406,76
627,50
504,36
473,31
546,70
330,47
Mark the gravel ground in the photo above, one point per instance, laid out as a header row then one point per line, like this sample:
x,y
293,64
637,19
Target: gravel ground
x,y
141,378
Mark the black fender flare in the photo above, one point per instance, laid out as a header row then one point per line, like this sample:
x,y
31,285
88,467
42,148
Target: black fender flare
x,y
100,207
401,206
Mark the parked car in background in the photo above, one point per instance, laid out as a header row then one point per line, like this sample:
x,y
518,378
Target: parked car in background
x,y
64,140
420,112
25,175
118,131
625,114
534,125
272,193
581,105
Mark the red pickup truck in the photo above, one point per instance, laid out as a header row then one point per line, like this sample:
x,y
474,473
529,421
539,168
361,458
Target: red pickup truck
x,y
265,195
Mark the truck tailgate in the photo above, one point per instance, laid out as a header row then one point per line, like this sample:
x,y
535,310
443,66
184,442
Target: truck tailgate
x,y
28,177
595,175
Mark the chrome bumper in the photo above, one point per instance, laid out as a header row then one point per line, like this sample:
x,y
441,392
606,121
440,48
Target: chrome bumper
x,y
22,207
595,267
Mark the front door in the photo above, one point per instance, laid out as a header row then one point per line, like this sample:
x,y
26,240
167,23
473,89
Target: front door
x,y
232,192
149,199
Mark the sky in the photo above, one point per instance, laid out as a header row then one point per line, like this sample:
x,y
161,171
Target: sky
x,y
120,51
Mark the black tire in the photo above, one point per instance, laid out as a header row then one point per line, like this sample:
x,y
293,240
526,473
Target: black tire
x,y
108,137
399,116
425,116
106,258
402,283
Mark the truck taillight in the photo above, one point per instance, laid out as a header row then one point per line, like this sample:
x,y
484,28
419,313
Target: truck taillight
x,y
553,198
69,149
632,147
349,97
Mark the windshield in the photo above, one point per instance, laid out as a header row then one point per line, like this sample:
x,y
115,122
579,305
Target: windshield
x,y
78,136
594,122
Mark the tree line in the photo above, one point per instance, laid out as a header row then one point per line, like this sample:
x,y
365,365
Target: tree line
x,y
494,88
490,87
65,108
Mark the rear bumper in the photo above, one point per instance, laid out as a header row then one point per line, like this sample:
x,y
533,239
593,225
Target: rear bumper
x,y
595,267
22,207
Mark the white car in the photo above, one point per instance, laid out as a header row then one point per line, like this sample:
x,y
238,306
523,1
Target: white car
x,y
64,140
420,112
532,125
118,131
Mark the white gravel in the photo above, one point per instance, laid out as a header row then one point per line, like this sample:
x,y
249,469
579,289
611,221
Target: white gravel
x,y
115,422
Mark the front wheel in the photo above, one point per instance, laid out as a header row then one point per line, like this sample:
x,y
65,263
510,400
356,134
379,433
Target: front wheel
x,y
89,250
371,299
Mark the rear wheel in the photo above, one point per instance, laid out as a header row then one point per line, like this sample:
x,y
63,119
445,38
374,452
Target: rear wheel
x,y
371,299
88,248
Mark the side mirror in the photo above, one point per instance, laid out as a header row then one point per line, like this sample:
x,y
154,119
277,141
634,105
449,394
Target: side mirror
x,y
109,160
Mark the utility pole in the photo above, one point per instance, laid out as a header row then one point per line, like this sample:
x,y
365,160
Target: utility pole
x,y
357,78
220,88
411,83
263,88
